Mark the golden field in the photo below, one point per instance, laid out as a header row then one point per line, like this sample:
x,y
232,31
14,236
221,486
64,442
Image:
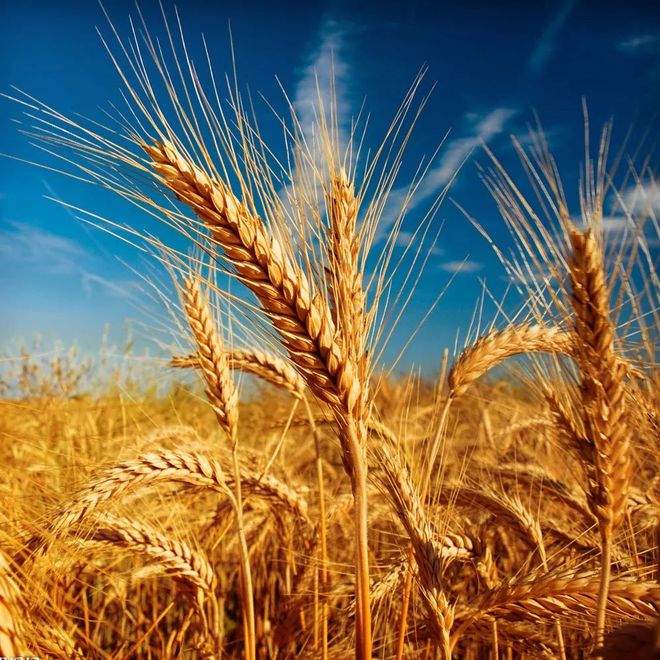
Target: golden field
x,y
273,490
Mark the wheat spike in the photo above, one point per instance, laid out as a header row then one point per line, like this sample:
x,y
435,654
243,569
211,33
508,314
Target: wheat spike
x,y
605,415
565,594
301,316
220,389
498,345
432,554
345,274
174,466
176,557
259,363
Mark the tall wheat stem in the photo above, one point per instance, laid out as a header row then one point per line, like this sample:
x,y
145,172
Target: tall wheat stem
x,y
403,621
349,316
322,529
301,317
223,397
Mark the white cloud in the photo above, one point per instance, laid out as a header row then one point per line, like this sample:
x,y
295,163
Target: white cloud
x,y
614,224
640,44
485,128
324,83
642,198
117,288
465,266
41,251
405,239
554,137
38,248
320,95
635,211
530,275
624,231
452,156
546,43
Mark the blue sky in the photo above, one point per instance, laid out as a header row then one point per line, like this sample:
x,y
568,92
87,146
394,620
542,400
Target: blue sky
x,y
492,63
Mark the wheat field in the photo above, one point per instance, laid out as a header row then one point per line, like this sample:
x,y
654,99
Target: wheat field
x,y
286,493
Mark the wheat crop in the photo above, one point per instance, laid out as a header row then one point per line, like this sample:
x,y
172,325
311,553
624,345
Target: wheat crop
x,y
287,495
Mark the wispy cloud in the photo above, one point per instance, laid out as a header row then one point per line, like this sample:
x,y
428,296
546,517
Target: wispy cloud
x,y
320,96
554,136
635,211
405,239
30,247
614,225
546,44
642,198
466,266
640,44
482,129
91,282
322,88
529,275
485,128
34,247
624,232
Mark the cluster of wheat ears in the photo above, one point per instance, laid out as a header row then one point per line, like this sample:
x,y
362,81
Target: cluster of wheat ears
x,y
392,517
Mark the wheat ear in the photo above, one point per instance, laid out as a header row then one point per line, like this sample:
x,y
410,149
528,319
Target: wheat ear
x,y
345,274
261,261
498,345
562,594
259,363
220,389
605,417
431,555
177,558
189,468
506,508
222,396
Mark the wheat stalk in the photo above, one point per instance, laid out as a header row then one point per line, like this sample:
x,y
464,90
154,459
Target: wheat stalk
x,y
301,317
